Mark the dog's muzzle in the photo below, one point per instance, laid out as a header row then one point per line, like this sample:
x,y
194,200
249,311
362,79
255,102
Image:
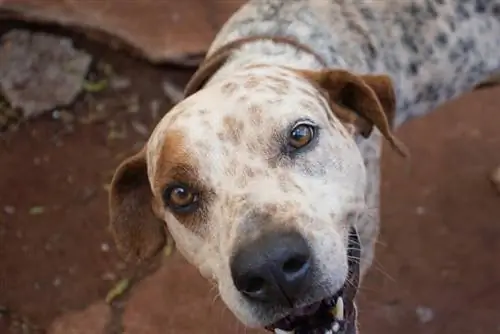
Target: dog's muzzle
x,y
280,273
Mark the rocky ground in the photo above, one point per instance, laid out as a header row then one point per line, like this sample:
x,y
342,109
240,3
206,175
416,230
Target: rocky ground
x,y
436,268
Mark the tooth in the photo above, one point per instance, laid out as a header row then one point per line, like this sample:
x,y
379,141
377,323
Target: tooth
x,y
339,309
280,331
335,327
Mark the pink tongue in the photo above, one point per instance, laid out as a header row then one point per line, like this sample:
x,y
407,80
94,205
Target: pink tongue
x,y
306,310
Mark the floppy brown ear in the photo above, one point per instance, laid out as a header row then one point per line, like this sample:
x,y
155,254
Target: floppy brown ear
x,y
363,101
138,233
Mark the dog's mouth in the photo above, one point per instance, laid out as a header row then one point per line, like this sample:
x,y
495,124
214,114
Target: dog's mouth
x,y
335,314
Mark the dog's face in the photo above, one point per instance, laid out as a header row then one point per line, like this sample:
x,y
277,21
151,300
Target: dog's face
x,y
258,180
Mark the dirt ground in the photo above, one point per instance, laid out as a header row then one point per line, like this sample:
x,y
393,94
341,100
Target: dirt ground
x,y
437,267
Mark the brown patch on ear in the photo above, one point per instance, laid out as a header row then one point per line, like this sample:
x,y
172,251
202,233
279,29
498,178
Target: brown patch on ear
x,y
384,90
137,231
364,101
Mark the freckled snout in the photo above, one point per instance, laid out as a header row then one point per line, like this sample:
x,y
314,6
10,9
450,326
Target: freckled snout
x,y
275,268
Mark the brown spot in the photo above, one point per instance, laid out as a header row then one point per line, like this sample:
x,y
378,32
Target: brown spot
x,y
248,171
270,209
174,155
251,82
232,129
241,181
231,169
252,66
307,105
255,112
286,183
280,86
278,79
202,146
309,93
255,145
229,88
242,99
278,90
288,207
177,164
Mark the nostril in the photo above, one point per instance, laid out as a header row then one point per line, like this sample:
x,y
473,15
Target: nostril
x,y
295,264
253,285
296,268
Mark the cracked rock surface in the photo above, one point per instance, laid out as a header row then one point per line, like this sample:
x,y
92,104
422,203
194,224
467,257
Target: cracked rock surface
x,y
40,72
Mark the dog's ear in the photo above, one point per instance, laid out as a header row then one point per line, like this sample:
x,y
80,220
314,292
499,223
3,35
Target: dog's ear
x,y
362,101
138,232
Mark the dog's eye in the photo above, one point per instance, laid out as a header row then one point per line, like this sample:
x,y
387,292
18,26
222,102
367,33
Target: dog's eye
x,y
180,198
301,135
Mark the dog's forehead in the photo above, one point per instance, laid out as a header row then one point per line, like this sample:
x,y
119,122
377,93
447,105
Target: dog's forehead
x,y
250,104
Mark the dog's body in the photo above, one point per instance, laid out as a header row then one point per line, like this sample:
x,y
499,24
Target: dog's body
x,y
431,50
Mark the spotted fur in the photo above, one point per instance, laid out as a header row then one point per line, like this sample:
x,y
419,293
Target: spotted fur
x,y
229,132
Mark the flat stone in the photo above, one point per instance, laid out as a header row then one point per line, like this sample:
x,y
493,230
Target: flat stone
x,y
92,320
40,72
176,296
162,31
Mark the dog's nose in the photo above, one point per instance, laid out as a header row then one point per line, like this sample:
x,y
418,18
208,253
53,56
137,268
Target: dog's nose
x,y
274,268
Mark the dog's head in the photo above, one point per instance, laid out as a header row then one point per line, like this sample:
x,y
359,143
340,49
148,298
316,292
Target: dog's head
x,y
259,181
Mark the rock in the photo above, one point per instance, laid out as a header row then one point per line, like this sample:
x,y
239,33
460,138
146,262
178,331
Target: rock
x,y
161,31
120,83
40,72
92,320
424,314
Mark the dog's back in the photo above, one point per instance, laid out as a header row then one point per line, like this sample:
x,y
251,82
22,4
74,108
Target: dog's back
x,y
433,49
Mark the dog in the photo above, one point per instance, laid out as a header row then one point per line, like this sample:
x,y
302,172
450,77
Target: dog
x,y
267,174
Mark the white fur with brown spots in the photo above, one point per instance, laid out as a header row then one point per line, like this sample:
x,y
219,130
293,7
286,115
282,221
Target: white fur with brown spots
x,y
224,148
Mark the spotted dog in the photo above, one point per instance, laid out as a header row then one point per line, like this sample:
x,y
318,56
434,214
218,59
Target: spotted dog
x,y
267,174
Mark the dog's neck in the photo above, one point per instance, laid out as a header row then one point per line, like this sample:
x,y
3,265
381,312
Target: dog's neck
x,y
432,54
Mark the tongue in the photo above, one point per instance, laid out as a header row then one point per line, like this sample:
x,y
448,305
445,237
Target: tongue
x,y
306,310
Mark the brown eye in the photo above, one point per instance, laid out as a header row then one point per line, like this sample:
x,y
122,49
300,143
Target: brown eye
x,y
301,135
180,198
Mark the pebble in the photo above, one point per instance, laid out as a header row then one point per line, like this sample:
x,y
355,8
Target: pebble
x,y
424,314
119,83
140,128
57,282
108,276
9,209
155,109
104,247
420,210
